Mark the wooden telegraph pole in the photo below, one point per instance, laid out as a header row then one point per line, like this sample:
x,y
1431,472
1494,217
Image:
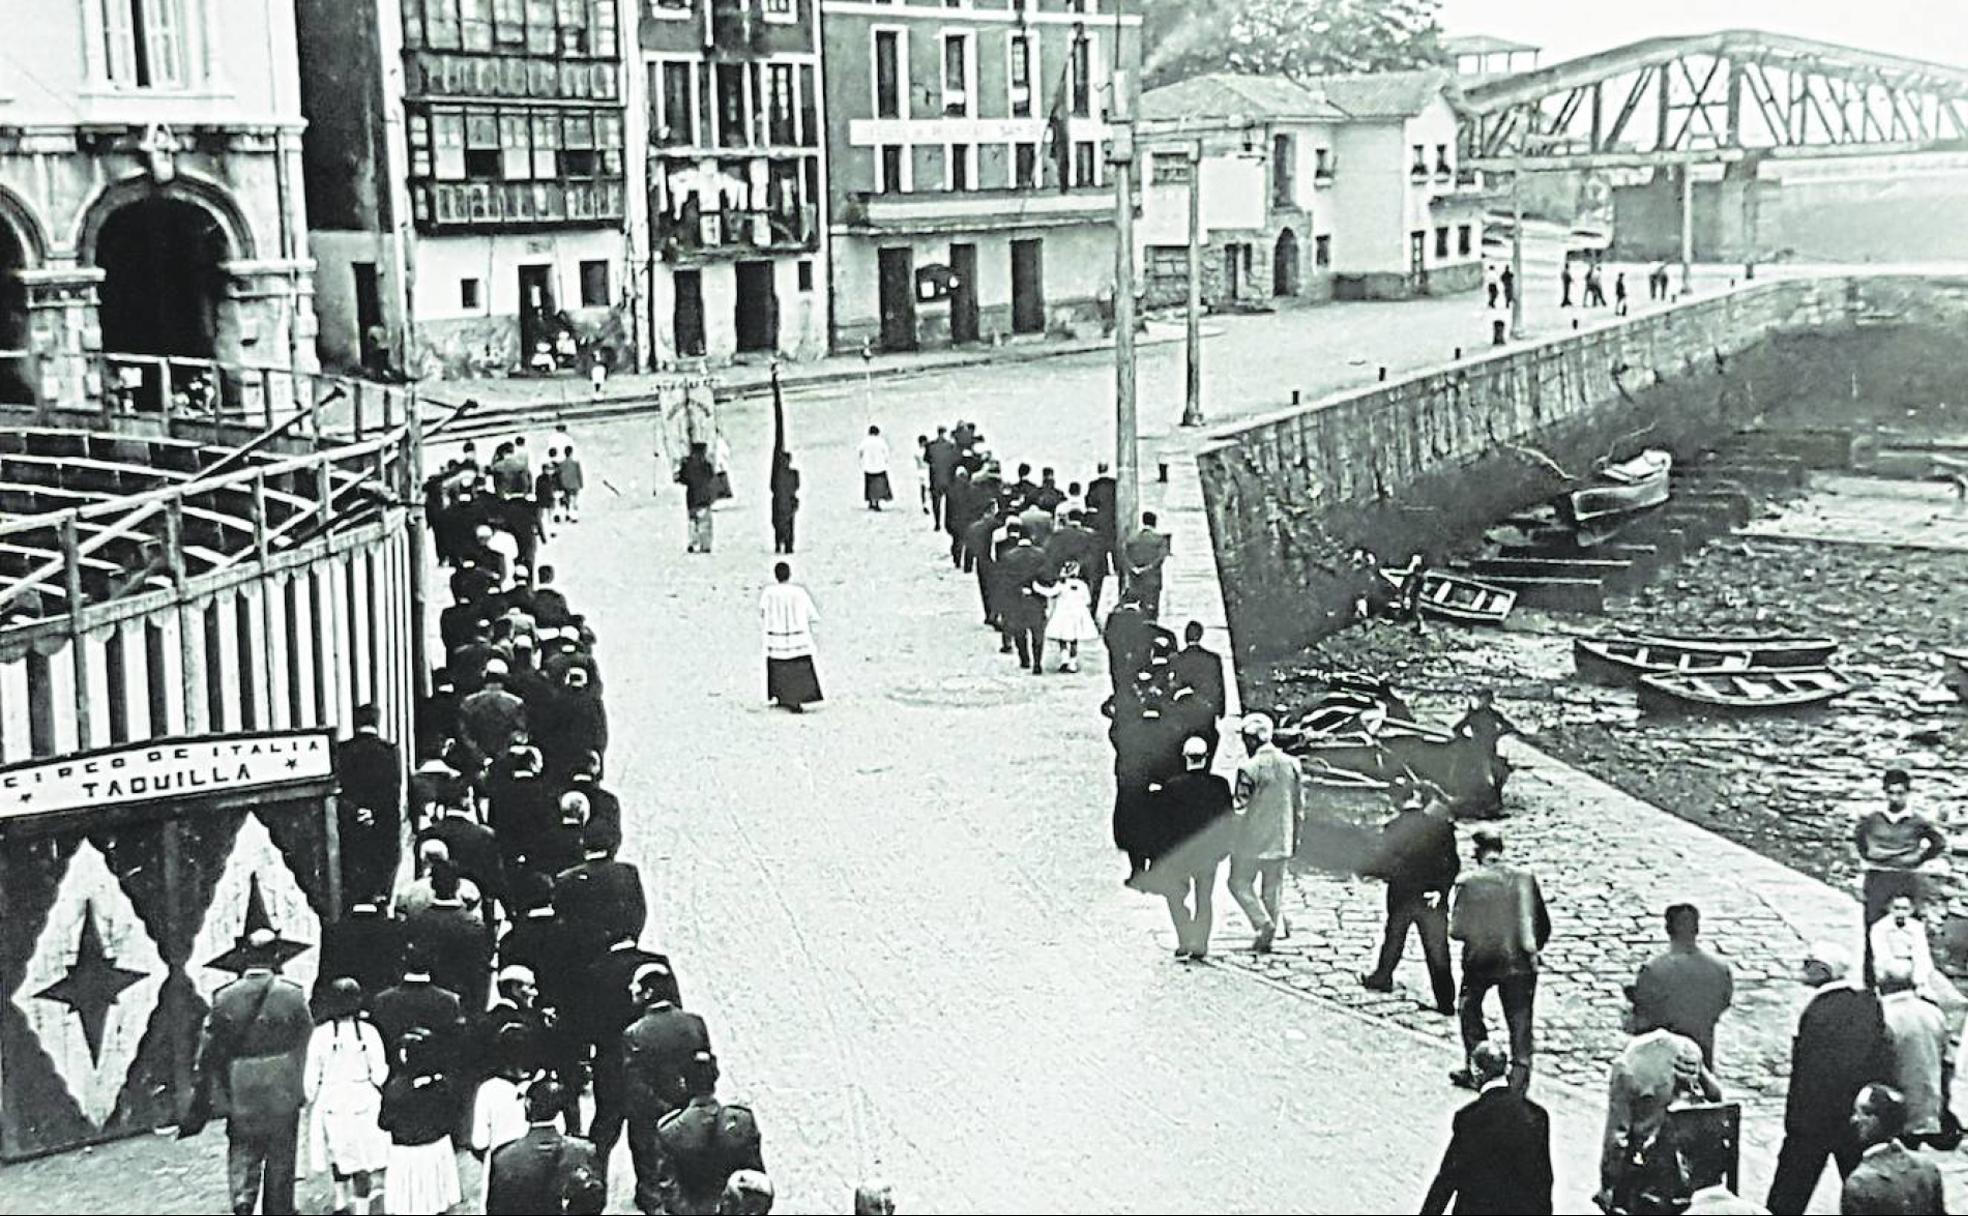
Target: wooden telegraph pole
x,y
1192,401
1127,463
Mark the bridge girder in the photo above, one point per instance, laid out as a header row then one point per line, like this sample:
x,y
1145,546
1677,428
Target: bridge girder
x,y
1714,98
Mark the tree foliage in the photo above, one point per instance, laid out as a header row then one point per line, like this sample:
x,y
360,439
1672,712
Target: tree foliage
x,y
1289,37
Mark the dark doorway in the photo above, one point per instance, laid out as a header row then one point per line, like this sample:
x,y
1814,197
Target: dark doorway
x,y
1284,265
162,281
14,361
687,314
1028,308
1233,268
371,338
963,297
536,310
898,299
757,308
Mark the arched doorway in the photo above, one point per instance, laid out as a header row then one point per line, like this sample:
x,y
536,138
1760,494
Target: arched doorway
x,y
1284,265
15,362
162,281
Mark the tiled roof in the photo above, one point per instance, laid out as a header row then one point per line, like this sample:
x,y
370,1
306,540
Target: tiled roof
x,y
1381,94
1227,95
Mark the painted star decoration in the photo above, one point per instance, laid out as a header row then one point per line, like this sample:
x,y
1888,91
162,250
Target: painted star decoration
x,y
241,956
93,984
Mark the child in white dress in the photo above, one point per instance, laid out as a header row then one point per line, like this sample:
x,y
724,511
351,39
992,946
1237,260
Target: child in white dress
x,y
346,1069
1069,618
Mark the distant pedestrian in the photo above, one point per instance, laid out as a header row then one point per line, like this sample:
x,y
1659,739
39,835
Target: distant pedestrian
x,y
573,479
1619,293
1839,1049
1495,289
252,1068
1595,286
1500,918
788,615
346,1069
535,1173
1686,989
1499,1155
1417,859
1269,801
1024,583
369,780
1565,285
922,477
874,470
1509,281
1146,552
1192,820
698,477
1889,1178
785,501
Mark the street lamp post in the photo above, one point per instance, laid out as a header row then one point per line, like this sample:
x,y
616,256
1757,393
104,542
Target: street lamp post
x,y
1192,400
1517,247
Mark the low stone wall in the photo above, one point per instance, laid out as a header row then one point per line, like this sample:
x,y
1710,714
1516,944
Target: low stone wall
x,y
1426,461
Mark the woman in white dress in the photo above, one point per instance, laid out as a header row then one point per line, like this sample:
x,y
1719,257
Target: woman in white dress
x,y
1069,618
346,1068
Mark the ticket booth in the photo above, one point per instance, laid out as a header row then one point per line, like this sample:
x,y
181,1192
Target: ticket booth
x,y
129,879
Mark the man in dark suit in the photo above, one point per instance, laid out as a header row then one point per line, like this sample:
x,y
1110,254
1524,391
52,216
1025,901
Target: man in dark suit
x,y
530,1175
978,555
657,1052
1022,570
940,457
1840,1048
1417,858
601,899
452,940
365,946
1499,1155
1501,920
608,1006
1145,553
252,1059
704,1143
1199,670
471,846
417,1003
1889,1177
1102,493
369,780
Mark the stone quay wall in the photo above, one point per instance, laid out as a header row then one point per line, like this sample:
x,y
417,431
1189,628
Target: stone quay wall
x,y
1426,461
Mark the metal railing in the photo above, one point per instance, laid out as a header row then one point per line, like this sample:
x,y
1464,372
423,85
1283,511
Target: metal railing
x,y
212,526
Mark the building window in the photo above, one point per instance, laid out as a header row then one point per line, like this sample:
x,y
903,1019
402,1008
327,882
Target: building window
x,y
779,10
1442,241
1020,75
1442,166
1025,164
1081,77
809,106
888,74
594,284
1463,239
958,158
1322,252
805,272
669,8
678,122
1283,188
956,75
892,162
144,43
1086,170
1322,163
781,126
1420,166
731,105
469,297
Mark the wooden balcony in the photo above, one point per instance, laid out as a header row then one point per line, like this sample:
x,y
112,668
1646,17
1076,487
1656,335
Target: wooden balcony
x,y
974,210
738,234
483,206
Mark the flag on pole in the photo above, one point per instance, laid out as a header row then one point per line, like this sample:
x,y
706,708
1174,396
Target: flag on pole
x,y
1059,143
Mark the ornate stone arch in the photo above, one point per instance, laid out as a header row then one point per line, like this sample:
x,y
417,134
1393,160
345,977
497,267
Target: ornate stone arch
x,y
26,227
208,196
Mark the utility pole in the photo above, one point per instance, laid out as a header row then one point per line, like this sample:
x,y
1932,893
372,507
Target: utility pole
x,y
1192,401
1517,247
1127,461
1688,227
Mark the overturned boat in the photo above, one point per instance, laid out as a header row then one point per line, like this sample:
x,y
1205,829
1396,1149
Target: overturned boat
x,y
1616,495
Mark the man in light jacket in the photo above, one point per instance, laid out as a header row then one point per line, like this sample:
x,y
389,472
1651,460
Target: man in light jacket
x,y
1270,803
1500,919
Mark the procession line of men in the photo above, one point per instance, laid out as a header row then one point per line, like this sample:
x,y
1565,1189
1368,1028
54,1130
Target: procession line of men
x,y
473,1004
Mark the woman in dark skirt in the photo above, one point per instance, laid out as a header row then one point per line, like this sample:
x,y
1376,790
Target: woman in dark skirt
x,y
874,469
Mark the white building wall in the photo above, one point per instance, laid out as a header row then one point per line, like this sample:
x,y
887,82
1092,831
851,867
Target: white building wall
x,y
1370,222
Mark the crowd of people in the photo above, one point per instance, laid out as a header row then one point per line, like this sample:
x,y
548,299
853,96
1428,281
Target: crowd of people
x,y
495,999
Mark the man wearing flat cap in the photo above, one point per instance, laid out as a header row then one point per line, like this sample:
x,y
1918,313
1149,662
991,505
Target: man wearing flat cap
x,y
1269,805
252,1062
1417,858
1840,1048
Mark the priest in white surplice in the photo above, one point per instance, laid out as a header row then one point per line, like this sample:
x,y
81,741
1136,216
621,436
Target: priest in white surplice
x,y
788,615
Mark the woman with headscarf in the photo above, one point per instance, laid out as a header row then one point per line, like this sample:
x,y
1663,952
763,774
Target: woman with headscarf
x,y
346,1069
785,501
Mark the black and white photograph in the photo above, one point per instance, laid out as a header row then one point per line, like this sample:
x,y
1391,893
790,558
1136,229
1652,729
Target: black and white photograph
x,y
983,606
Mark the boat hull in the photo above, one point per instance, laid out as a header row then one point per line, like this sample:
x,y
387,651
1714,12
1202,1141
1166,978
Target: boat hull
x,y
1621,661
1758,692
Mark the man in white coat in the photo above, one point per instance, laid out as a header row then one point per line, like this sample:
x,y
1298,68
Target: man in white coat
x,y
874,469
788,614
1269,806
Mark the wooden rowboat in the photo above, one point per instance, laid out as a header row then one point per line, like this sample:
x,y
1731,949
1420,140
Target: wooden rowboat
x,y
1454,597
1621,661
1757,691
1636,485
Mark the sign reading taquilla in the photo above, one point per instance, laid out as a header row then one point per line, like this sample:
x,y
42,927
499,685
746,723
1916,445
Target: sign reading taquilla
x,y
166,768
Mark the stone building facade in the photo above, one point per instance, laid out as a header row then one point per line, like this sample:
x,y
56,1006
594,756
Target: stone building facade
x,y
150,190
